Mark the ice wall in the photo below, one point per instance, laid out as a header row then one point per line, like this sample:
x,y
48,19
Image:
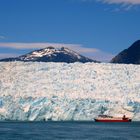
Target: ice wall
x,y
60,91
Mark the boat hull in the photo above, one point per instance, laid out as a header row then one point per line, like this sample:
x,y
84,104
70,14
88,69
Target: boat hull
x,y
107,120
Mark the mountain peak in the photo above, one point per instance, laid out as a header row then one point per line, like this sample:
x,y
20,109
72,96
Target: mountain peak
x,y
52,54
50,47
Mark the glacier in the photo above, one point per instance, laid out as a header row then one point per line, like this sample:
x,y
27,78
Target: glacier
x,y
37,91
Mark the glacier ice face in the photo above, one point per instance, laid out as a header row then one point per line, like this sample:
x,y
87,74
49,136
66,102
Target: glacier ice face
x,y
61,91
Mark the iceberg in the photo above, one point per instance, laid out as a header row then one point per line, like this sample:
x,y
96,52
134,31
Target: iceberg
x,y
37,91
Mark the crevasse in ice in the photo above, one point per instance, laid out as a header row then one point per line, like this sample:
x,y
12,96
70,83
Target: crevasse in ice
x,y
60,91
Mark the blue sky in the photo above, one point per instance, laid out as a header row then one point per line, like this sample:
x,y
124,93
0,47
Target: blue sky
x,y
96,28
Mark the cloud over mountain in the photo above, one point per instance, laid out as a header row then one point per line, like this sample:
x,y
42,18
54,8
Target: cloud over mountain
x,y
86,51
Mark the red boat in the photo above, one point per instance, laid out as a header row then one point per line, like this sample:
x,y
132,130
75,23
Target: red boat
x,y
105,118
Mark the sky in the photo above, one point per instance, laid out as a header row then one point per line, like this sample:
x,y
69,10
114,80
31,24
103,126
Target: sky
x,y
98,29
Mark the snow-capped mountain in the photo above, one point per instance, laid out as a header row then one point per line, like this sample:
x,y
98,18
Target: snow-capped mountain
x,y
51,54
61,91
129,56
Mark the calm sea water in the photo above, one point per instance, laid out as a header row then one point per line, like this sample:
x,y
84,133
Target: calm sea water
x,y
69,131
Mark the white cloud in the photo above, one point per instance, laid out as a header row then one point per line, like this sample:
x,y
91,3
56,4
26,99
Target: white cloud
x,y
16,45
134,2
76,47
124,5
124,2
100,56
7,55
93,53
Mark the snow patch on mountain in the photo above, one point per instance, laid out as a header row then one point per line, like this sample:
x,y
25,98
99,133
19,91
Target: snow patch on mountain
x,y
40,53
51,51
61,91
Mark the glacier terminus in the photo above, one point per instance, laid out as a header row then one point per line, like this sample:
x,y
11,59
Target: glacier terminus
x,y
39,91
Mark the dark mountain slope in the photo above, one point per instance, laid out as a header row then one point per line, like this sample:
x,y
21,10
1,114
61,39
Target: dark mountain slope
x,y
129,56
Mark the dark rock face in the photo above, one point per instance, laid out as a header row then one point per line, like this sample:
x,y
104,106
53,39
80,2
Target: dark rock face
x,y
51,54
129,56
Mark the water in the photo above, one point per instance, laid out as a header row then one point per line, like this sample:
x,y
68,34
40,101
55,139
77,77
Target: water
x,y
69,131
